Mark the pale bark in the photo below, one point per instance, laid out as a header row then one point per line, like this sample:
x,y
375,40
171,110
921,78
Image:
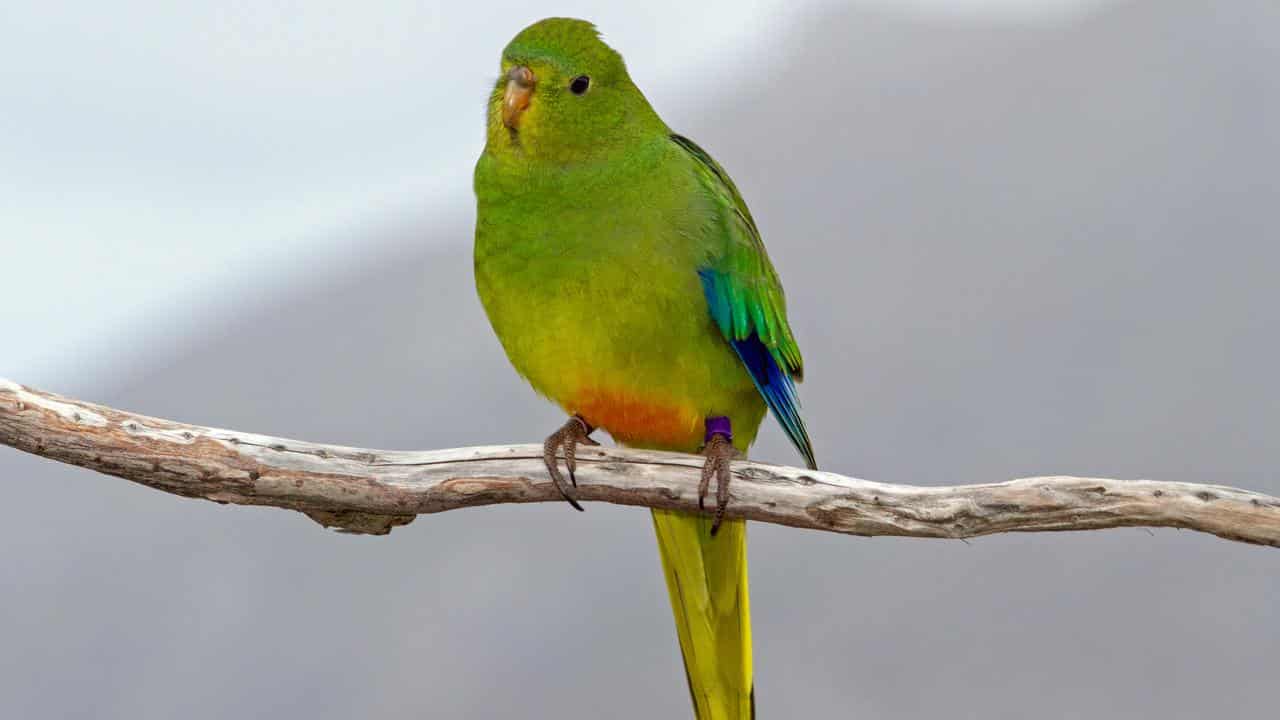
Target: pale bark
x,y
371,491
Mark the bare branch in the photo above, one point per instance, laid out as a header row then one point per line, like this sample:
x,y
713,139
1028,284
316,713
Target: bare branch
x,y
371,491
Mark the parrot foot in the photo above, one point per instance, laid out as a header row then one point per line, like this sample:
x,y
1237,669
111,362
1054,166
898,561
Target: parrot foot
x,y
719,452
572,434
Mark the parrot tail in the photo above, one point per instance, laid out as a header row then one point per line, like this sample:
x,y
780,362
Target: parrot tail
x,y
707,581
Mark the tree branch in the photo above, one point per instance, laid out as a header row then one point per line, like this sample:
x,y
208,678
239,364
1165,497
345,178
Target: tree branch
x,y
372,491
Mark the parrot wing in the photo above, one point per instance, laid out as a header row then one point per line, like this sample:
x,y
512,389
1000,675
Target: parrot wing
x,y
745,298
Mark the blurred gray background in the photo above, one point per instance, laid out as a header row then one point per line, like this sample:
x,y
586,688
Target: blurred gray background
x,y
1017,238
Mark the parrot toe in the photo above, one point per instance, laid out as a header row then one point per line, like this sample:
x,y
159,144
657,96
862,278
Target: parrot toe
x,y
573,433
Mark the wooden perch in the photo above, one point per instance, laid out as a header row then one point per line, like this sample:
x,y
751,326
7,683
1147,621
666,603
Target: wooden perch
x,y
372,491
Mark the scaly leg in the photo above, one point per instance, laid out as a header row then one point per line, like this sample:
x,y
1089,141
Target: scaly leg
x,y
574,433
719,452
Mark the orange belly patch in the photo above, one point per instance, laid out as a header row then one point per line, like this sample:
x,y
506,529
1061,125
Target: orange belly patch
x,y
641,422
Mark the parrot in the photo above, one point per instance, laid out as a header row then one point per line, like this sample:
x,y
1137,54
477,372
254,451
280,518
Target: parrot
x,y
628,283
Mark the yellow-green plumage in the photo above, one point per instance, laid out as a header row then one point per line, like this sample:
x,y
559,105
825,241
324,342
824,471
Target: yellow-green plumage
x,y
707,581
627,282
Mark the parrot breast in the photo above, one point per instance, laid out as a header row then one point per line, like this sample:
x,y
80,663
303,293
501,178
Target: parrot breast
x,y
594,292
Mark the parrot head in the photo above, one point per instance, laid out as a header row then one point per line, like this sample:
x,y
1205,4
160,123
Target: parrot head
x,y
564,95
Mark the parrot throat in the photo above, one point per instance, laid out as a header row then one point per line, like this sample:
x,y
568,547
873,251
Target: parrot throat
x,y
519,167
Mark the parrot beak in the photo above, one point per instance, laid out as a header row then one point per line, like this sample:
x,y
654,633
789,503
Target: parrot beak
x,y
515,100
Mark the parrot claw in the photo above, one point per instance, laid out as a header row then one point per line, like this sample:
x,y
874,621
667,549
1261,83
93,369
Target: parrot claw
x,y
719,452
574,433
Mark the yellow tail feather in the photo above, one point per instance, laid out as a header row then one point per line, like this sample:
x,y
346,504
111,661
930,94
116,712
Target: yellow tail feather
x,y
707,581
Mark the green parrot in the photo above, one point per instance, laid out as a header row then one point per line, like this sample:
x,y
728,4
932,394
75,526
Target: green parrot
x,y
627,282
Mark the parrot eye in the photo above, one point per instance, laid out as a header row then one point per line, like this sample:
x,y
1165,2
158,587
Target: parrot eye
x,y
579,84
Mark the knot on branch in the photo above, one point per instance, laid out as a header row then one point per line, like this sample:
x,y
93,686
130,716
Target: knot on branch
x,y
356,522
